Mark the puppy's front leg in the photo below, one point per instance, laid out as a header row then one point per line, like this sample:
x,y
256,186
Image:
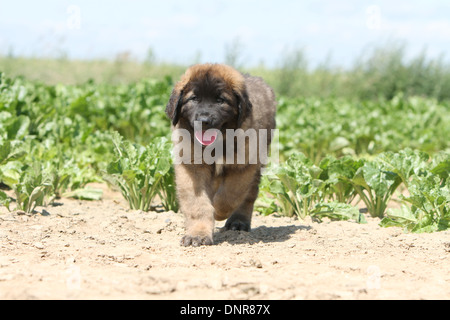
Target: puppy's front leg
x,y
192,188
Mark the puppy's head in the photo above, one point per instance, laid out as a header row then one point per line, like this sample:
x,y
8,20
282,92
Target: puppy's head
x,y
210,94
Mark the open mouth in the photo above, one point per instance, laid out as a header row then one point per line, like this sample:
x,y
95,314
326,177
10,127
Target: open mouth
x,y
207,137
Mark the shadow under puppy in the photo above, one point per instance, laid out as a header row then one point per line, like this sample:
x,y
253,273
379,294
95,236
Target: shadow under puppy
x,y
221,112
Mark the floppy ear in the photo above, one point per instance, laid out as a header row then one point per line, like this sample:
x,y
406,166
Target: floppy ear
x,y
244,106
174,105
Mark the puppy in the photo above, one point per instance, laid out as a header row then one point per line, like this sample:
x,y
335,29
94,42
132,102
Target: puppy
x,y
229,117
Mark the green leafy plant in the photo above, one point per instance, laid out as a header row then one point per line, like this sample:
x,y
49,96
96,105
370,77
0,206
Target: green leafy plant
x,y
4,200
429,209
138,170
10,162
299,187
167,190
440,166
87,193
31,189
66,177
375,185
405,163
337,174
295,185
338,211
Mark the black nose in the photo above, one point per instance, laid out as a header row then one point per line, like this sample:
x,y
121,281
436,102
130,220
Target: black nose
x,y
205,120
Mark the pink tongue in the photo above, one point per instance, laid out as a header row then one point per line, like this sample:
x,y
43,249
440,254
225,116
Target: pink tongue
x,y
206,137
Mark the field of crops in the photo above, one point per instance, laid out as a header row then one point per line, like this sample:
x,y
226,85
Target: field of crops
x,y
56,139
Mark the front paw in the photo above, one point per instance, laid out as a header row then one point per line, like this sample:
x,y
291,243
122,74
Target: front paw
x,y
196,241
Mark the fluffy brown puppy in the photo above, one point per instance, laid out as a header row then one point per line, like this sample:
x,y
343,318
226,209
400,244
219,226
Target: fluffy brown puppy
x,y
210,102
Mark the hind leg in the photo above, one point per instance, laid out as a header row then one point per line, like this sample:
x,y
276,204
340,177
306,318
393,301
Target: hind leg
x,y
242,216
235,188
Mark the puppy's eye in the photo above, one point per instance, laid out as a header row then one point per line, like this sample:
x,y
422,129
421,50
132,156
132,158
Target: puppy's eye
x,y
194,98
220,100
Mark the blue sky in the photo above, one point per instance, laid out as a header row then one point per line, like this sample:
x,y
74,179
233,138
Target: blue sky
x,y
187,31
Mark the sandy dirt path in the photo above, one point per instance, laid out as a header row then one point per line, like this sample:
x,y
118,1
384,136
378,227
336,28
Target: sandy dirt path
x,y
101,250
